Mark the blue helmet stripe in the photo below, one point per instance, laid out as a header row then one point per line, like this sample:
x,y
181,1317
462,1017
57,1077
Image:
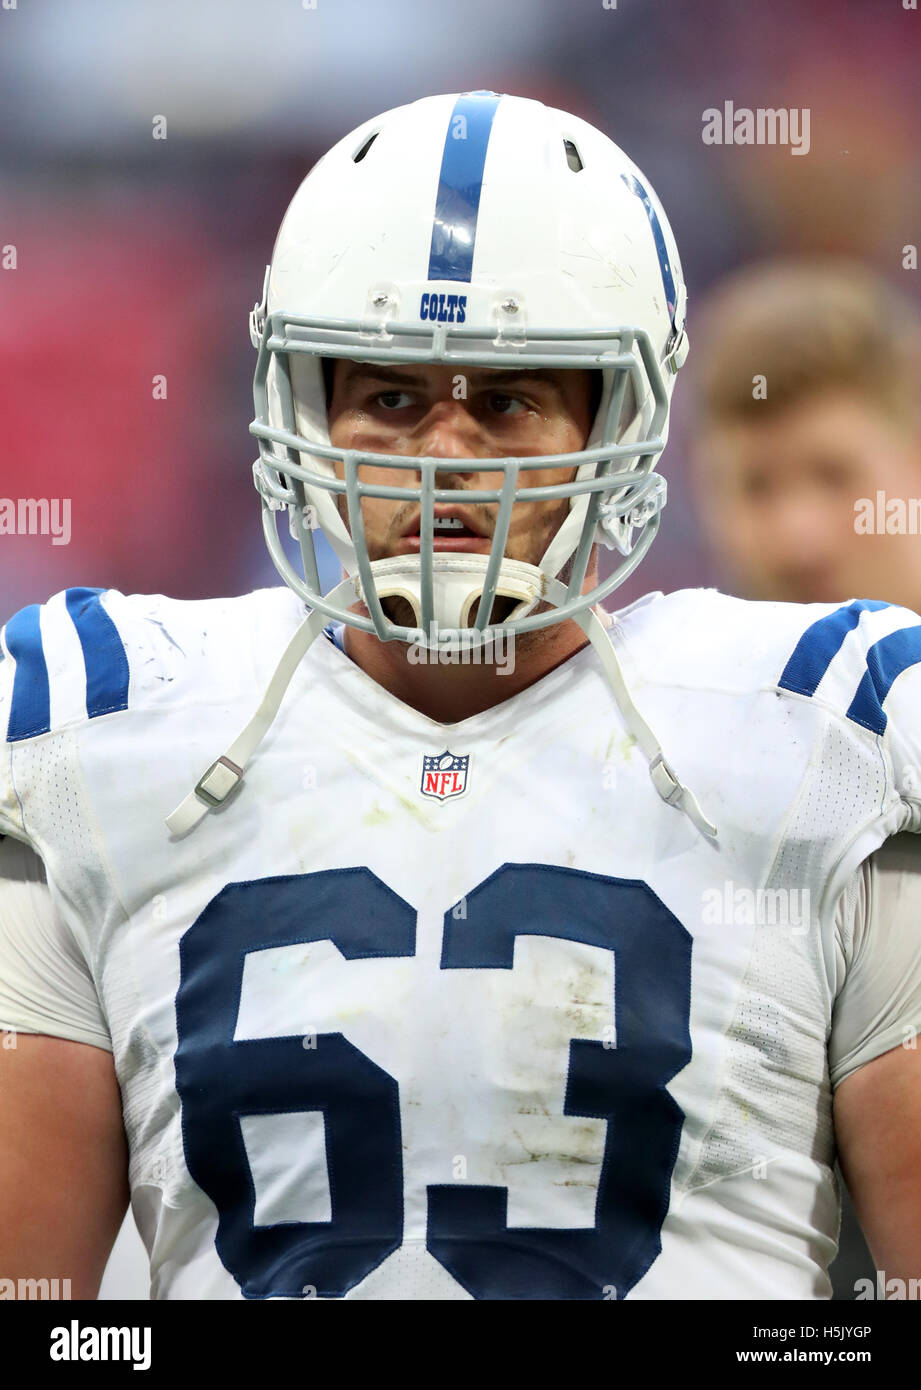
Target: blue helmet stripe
x,y
886,659
820,644
103,653
30,707
460,181
665,265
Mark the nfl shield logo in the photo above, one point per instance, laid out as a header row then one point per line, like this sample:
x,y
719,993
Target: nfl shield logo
x,y
444,775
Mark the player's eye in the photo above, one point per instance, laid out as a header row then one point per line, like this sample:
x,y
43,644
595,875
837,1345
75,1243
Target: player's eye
x,y
504,404
393,400
755,486
832,474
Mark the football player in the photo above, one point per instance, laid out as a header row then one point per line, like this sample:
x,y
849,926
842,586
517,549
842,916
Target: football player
x,y
376,964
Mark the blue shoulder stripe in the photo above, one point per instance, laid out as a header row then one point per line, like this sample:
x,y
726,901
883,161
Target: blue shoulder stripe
x,y
460,182
820,644
104,659
30,706
104,653
886,659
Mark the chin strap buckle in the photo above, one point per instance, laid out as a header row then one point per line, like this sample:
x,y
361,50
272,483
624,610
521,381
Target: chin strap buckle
x,y
222,777
677,353
674,793
664,780
226,772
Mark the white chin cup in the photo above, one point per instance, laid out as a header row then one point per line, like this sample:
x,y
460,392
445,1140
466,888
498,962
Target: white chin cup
x,y
457,584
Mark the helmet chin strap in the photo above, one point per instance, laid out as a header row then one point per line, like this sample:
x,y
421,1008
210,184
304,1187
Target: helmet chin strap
x,y
457,585
664,778
226,773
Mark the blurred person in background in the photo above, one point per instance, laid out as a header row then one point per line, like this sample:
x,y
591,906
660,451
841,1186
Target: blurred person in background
x,y
808,441
807,459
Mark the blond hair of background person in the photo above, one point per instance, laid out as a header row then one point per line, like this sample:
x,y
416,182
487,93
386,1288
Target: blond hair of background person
x,y
808,427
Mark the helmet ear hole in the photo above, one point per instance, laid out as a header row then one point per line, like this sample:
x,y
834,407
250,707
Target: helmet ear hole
x,y
360,153
573,157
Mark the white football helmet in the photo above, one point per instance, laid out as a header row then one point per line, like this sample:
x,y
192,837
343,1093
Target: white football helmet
x,y
480,230
484,230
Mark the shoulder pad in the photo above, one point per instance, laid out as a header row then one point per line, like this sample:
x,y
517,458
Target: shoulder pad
x,y
68,661
851,658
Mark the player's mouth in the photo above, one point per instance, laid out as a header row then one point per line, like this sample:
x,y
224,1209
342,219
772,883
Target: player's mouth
x,y
455,529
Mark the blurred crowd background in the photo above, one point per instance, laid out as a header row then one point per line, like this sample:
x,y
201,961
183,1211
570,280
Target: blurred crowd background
x,y
140,257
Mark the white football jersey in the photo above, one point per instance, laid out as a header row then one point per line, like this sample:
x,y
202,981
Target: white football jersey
x,y
450,1011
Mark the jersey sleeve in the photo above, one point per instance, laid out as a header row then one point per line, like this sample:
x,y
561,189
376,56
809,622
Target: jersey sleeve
x,y
10,812
62,663
863,659
45,983
878,930
888,697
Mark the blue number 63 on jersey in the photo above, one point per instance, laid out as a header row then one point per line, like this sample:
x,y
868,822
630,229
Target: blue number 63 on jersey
x,y
221,1081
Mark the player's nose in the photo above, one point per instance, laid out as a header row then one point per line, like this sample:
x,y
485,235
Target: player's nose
x,y
450,432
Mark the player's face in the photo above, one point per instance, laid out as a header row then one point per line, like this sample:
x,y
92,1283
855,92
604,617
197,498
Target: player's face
x,y
460,415
781,497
